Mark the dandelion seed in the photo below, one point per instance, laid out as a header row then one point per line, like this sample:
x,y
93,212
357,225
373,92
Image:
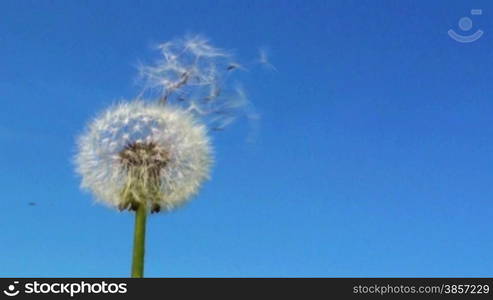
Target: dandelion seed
x,y
191,69
233,66
264,60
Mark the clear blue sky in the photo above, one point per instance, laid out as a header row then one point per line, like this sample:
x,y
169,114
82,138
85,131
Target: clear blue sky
x,y
374,155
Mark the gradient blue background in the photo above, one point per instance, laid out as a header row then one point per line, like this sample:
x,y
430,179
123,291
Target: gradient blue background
x,y
374,155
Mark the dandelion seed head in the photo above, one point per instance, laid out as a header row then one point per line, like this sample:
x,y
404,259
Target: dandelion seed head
x,y
135,152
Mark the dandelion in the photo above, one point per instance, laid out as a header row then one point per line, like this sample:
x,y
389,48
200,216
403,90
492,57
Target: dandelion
x,y
153,156
161,147
144,158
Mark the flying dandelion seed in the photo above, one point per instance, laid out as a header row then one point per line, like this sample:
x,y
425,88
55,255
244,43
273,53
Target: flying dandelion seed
x,y
135,152
263,59
195,75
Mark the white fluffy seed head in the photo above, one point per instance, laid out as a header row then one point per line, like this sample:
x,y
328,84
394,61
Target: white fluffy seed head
x,y
135,152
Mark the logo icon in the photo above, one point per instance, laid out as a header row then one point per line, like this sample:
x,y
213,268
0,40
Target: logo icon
x,y
11,290
465,24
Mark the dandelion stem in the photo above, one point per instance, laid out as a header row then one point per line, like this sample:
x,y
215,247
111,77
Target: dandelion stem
x,y
139,241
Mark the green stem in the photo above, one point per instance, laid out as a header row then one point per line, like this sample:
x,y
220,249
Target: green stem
x,y
139,241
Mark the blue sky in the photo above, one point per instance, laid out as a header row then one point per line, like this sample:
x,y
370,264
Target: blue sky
x,y
373,158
